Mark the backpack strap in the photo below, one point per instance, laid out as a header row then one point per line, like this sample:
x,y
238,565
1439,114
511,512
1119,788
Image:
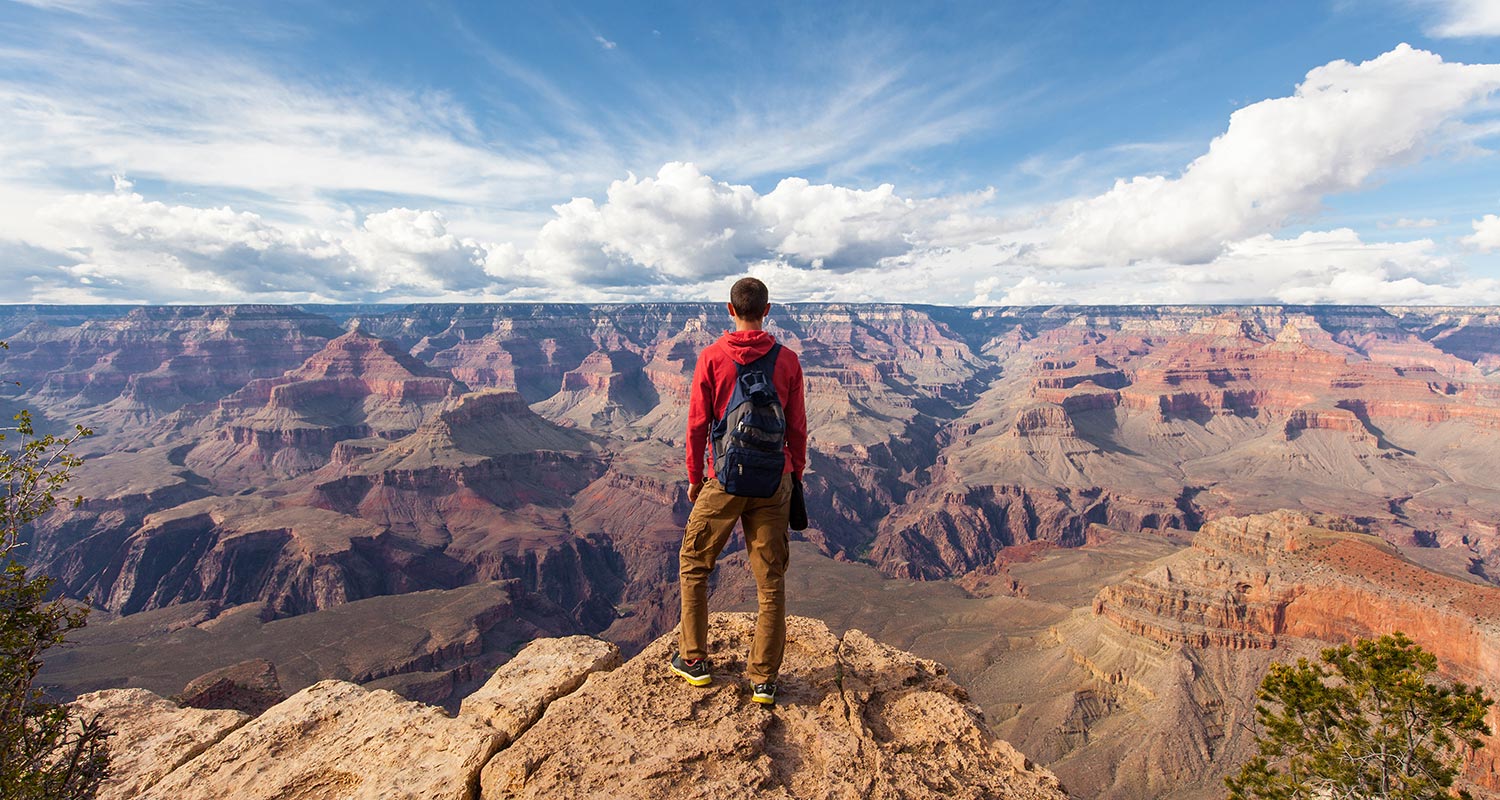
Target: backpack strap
x,y
766,364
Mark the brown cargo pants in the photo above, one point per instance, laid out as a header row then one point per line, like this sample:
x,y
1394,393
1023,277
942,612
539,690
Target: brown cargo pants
x,y
708,528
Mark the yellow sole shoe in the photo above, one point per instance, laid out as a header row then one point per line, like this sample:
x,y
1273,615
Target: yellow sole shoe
x,y
695,680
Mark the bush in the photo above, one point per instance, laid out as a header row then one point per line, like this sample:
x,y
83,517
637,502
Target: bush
x,y
45,750
1367,722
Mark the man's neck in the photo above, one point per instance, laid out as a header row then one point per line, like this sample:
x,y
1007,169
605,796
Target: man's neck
x,y
748,325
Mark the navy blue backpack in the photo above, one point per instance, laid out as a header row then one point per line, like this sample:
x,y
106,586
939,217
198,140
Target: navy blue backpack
x,y
748,440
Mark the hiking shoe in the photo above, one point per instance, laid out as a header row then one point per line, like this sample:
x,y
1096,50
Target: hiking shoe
x,y
764,693
694,671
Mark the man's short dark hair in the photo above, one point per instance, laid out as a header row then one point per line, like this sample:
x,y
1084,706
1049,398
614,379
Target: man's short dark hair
x,y
749,298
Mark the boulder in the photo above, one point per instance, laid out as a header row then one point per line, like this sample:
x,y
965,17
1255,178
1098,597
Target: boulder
x,y
335,739
151,736
519,691
249,686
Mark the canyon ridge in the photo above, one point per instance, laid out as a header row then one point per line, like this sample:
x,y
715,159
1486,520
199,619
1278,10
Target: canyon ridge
x,y
1105,521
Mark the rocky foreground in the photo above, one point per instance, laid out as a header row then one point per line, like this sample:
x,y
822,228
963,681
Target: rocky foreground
x,y
565,718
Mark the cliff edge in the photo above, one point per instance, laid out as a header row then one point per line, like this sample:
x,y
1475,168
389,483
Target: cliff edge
x,y
563,718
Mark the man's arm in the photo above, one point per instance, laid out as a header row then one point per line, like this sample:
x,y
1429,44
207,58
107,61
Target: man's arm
x,y
796,421
700,409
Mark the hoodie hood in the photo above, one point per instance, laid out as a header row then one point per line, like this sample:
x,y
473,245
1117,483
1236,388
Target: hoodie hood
x,y
746,346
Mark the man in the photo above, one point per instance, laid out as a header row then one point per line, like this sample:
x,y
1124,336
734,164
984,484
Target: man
x,y
715,510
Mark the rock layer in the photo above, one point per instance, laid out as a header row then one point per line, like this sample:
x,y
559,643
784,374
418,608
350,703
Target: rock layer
x,y
335,739
1290,582
150,736
854,719
518,692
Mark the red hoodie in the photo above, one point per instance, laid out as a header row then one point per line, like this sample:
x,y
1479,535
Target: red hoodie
x,y
713,383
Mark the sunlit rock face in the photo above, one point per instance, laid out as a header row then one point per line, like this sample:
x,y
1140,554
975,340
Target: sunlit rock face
x,y
311,458
566,718
1288,582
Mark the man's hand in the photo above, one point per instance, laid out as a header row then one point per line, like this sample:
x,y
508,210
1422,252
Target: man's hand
x,y
693,490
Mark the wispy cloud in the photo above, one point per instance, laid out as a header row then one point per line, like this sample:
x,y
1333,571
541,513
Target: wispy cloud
x,y
1466,18
1405,223
236,177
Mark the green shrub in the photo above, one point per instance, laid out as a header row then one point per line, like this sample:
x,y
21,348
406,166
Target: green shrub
x,y
46,751
1367,722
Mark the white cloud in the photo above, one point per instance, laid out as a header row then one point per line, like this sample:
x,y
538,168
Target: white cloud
x,y
1209,235
1466,18
1315,267
1337,267
93,106
605,43
123,247
1028,292
682,224
1406,223
1486,234
1277,160
682,235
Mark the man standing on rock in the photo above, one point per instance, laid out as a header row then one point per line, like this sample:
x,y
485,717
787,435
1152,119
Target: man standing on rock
x,y
747,413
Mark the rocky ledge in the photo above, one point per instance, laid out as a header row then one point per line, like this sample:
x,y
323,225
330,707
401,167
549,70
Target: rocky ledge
x,y
565,719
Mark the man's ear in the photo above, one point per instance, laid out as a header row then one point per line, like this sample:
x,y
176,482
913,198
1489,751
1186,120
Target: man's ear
x,y
732,315
767,313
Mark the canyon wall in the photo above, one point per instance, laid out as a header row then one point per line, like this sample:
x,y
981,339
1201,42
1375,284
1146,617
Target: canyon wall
x,y
301,458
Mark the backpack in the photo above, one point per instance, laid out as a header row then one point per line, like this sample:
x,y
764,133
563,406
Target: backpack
x,y
748,440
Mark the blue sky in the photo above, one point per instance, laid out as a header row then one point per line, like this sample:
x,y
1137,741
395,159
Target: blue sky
x,y
954,153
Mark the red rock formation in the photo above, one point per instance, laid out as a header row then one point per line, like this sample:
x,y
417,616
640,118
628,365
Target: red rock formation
x,y
357,386
939,436
249,686
605,392
123,374
1256,582
951,534
1340,420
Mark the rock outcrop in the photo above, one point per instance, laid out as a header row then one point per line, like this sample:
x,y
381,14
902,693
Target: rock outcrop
x,y
1289,582
150,736
856,719
518,692
335,739
355,387
1249,580
249,686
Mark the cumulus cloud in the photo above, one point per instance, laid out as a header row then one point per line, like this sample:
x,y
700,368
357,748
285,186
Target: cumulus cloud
x,y
1486,234
1277,160
1029,291
1464,18
1211,234
682,224
1334,266
123,246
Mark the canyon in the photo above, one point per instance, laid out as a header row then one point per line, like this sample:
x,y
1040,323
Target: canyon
x,y
1062,500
